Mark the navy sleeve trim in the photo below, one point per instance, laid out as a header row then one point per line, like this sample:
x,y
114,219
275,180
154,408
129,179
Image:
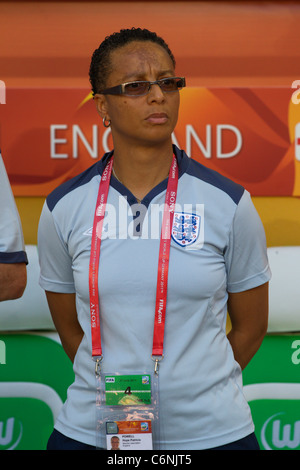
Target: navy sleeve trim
x,y
79,180
233,189
13,257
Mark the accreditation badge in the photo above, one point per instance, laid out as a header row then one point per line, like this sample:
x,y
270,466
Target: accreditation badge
x,y
127,411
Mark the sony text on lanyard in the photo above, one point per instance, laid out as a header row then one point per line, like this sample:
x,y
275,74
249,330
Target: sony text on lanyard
x,y
163,263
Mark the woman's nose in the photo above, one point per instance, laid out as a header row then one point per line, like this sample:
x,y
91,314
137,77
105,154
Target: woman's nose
x,y
155,93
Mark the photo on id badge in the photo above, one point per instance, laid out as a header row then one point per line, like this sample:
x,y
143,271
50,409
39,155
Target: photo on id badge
x,y
132,433
129,435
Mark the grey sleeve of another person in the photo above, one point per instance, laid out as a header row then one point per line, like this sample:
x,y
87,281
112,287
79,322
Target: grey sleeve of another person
x,y
12,249
13,258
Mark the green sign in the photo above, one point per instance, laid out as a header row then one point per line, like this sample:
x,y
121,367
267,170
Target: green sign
x,y
272,388
277,423
26,423
34,376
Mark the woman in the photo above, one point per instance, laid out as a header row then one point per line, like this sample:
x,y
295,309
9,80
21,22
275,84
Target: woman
x,y
217,260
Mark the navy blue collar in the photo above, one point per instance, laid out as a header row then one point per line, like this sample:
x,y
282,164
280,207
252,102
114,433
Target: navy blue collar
x,y
182,160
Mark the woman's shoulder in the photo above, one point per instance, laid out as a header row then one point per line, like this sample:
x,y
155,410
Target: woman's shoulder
x,y
216,179
72,184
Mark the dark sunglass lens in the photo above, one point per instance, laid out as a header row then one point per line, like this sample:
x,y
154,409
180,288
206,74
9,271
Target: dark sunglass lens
x,y
180,83
172,84
136,88
168,84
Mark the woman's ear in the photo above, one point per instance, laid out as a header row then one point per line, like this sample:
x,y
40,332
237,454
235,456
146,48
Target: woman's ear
x,y
101,105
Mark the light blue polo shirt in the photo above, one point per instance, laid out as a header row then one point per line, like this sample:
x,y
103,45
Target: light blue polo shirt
x,y
218,246
12,249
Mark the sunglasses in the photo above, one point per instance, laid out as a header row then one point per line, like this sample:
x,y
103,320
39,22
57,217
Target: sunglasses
x,y
140,88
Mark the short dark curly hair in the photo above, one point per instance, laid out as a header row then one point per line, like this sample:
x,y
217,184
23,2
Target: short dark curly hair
x,y
100,66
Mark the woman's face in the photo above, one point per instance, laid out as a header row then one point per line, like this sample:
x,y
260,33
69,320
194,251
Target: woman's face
x,y
142,120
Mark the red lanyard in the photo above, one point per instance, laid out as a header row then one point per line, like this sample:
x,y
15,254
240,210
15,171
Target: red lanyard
x,y
163,262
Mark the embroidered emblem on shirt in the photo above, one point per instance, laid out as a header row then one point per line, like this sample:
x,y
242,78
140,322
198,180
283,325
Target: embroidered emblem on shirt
x,y
185,228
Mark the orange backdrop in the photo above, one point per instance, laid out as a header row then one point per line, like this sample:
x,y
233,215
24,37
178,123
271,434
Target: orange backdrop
x,y
216,43
248,134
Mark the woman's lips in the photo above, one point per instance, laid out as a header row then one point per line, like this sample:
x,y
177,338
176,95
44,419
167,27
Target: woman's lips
x,y
157,118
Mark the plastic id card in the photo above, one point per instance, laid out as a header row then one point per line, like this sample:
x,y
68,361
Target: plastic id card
x,y
127,411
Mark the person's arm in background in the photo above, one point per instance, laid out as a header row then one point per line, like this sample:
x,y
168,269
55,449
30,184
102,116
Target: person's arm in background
x,y
13,279
56,279
248,312
64,316
13,259
248,282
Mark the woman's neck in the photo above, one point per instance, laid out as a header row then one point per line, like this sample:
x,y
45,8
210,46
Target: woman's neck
x,y
140,170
